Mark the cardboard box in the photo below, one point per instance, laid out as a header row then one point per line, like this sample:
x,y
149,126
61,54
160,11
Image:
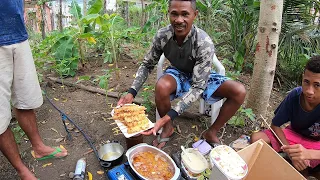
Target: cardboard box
x,y
266,164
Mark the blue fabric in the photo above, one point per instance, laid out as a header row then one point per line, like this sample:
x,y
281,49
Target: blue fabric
x,y
184,81
305,123
12,27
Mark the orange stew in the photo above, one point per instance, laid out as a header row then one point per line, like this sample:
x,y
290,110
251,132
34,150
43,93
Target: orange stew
x,y
152,166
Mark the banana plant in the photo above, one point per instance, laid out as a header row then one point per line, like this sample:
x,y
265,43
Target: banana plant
x,y
68,47
299,39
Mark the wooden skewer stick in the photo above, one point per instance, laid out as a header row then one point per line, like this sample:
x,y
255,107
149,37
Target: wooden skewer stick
x,y
271,130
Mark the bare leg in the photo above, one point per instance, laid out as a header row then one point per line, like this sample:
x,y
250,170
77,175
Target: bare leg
x,y
235,94
10,150
164,87
259,135
27,121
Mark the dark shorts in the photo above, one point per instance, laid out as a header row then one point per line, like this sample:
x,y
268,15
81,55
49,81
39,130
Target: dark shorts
x,y
184,83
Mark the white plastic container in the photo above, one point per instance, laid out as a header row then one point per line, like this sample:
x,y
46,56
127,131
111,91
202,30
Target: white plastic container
x,y
227,164
194,163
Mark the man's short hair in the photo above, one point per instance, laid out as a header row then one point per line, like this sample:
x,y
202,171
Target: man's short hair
x,y
193,3
313,64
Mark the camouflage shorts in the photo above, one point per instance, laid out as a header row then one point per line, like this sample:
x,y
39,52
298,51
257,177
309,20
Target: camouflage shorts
x,y
184,81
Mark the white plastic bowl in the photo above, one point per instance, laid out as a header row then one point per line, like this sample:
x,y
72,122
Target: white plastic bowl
x,y
227,164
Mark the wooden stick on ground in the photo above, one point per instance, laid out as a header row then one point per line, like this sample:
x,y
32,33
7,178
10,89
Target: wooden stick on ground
x,y
271,130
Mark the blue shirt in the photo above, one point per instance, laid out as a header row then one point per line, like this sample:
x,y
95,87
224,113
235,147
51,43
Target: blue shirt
x,y
305,123
12,27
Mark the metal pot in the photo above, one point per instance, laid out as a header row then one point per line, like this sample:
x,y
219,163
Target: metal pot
x,y
145,147
111,154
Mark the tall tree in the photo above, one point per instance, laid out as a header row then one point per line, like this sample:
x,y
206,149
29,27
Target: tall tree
x,y
43,19
84,7
266,55
60,16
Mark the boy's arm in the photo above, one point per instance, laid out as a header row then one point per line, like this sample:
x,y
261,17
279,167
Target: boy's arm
x,y
315,154
278,131
298,152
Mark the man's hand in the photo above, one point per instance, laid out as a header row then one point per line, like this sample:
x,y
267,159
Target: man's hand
x,y
127,99
301,165
297,152
159,124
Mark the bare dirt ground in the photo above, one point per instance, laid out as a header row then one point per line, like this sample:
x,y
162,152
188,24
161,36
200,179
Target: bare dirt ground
x,y
91,113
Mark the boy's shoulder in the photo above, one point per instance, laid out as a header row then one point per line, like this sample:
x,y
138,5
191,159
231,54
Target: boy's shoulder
x,y
295,93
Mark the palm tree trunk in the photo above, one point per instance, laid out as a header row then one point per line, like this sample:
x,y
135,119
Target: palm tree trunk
x,y
265,56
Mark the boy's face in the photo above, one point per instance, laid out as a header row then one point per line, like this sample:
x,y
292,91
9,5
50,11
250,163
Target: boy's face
x,y
311,87
181,16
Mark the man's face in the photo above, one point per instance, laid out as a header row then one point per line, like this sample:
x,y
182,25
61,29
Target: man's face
x,y
181,16
311,87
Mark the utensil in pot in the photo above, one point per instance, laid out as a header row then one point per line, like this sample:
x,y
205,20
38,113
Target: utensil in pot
x,y
111,154
185,152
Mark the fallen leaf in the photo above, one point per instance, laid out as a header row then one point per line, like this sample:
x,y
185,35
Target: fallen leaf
x,y
196,139
59,139
70,127
145,89
194,126
61,175
77,131
45,165
90,151
134,76
33,154
89,176
110,65
110,90
56,99
125,67
178,129
53,129
79,100
64,100
100,172
43,122
26,139
62,86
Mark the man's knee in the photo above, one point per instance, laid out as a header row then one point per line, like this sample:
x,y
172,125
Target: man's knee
x,y
239,93
257,136
164,87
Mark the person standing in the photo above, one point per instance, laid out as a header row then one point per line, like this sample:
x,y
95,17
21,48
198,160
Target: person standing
x,y
19,86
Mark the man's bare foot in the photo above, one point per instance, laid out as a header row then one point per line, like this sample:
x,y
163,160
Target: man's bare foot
x,y
26,174
46,150
211,136
164,137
